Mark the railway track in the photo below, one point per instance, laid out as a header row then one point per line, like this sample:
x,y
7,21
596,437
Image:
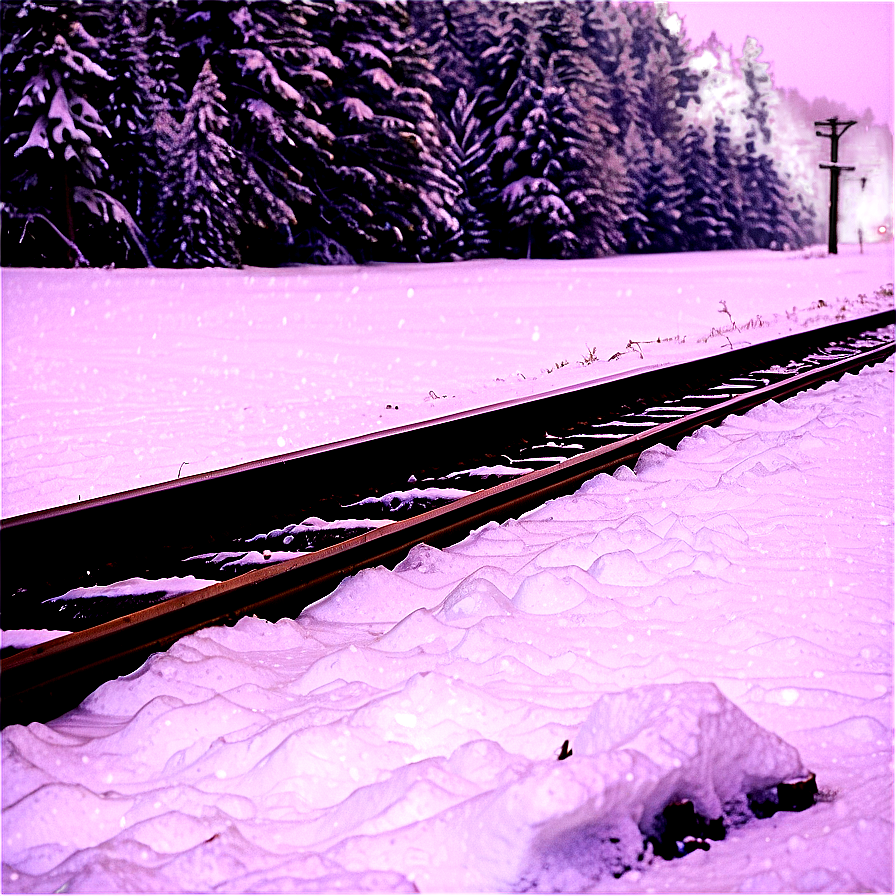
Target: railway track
x,y
285,531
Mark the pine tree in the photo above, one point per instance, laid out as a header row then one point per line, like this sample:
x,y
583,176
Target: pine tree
x,y
276,124
726,160
769,217
119,32
773,217
166,88
702,221
761,98
687,81
664,199
609,36
381,197
165,97
669,83
593,175
656,198
465,162
57,173
722,94
659,96
635,228
539,218
546,102
454,32
203,191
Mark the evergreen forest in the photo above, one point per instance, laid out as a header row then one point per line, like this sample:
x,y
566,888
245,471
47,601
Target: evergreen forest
x,y
270,132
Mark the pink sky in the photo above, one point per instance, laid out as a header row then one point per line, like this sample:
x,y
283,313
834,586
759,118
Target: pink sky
x,y
842,50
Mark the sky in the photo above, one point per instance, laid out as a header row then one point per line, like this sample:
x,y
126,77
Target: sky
x,y
841,50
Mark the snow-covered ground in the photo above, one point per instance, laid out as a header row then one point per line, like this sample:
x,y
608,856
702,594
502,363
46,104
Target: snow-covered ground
x,y
117,379
709,623
717,620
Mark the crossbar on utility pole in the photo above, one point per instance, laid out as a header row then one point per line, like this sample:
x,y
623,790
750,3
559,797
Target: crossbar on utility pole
x,y
838,129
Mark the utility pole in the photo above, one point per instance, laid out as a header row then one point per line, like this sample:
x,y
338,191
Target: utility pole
x,y
838,129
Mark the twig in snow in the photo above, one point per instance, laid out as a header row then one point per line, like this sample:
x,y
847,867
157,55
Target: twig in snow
x,y
724,310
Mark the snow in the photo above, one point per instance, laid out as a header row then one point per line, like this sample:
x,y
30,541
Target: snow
x,y
406,497
170,587
702,627
23,637
117,379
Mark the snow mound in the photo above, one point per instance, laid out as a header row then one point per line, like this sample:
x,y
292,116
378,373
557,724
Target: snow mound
x,y
622,568
138,586
350,602
546,593
472,600
704,748
404,498
22,638
553,826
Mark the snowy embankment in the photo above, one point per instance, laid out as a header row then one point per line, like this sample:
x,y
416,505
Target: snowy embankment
x,y
712,622
116,379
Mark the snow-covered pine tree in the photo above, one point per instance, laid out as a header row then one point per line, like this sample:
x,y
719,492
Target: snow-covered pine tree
x,y
454,32
764,208
56,178
722,94
119,30
202,193
608,33
668,84
762,98
385,191
726,160
757,219
805,220
678,46
545,103
437,190
539,220
659,96
664,198
658,191
466,164
768,214
513,105
166,87
637,161
593,179
165,97
702,221
273,77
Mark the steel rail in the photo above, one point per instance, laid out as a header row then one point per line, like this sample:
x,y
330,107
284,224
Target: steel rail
x,y
42,682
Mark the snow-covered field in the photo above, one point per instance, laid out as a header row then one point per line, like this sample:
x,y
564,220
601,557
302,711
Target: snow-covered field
x,y
717,620
116,379
674,623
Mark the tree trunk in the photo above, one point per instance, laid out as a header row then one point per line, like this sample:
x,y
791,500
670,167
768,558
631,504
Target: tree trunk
x,y
69,216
